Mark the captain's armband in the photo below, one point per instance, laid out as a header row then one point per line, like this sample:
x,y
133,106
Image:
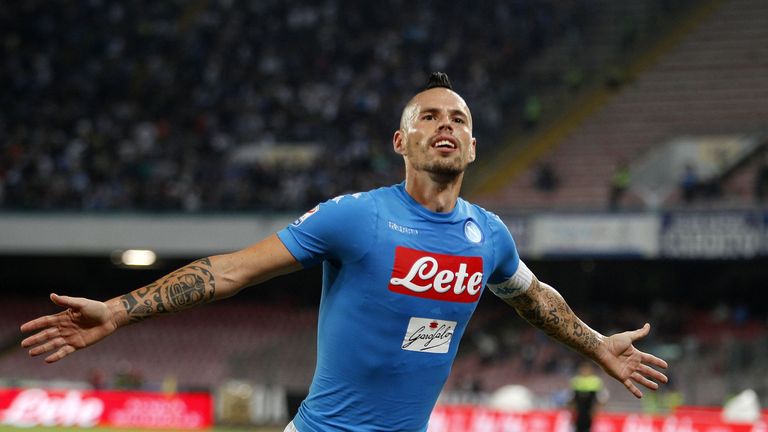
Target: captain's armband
x,y
515,285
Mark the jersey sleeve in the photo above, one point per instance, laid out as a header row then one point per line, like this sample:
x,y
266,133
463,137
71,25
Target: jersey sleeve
x,y
510,277
340,229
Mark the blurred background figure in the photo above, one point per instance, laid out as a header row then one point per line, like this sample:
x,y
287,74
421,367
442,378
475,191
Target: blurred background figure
x,y
689,184
545,178
619,185
664,402
97,378
588,394
761,180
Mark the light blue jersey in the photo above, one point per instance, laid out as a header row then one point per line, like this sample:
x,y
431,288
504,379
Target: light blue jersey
x,y
400,283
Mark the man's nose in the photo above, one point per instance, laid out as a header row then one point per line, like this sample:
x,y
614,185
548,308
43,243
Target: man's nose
x,y
445,124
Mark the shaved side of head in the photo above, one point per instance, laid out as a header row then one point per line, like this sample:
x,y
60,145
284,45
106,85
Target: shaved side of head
x,y
435,80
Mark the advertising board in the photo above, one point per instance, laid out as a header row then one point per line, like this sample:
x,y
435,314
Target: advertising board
x,y
124,409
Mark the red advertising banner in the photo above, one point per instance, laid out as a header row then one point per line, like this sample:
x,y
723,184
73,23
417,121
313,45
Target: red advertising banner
x,y
449,418
126,409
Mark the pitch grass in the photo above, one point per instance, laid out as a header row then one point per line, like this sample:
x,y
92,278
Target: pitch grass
x,y
97,429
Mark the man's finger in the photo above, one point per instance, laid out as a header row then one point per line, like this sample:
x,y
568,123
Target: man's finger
x,y
652,373
60,354
653,360
67,301
632,388
40,337
48,346
638,378
640,333
39,323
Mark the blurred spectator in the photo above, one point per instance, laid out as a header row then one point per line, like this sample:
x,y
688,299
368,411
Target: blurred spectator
x,y
689,184
545,177
128,377
532,112
664,401
619,184
761,180
98,379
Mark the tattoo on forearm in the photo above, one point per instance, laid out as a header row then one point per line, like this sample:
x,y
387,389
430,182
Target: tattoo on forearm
x,y
546,309
186,287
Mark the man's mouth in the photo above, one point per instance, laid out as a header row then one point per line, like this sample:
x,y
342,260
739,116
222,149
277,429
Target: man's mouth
x,y
444,144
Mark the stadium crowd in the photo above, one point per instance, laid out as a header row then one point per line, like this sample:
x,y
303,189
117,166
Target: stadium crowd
x,y
142,105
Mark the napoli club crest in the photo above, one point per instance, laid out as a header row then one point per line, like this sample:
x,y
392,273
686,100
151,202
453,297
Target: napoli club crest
x,y
472,231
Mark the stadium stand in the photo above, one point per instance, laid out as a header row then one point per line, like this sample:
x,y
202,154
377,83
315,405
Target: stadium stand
x,y
152,107
199,349
714,82
17,311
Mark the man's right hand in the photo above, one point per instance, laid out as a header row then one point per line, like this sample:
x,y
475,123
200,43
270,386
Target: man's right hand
x,y
84,323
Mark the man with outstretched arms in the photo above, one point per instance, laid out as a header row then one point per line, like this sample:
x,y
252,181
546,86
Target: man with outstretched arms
x,y
403,269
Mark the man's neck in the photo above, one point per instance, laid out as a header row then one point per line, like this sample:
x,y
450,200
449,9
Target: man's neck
x,y
435,194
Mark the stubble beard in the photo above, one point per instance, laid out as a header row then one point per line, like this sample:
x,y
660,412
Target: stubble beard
x,y
443,170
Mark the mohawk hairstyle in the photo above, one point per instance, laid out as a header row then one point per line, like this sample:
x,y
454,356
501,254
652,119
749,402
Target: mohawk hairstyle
x,y
438,79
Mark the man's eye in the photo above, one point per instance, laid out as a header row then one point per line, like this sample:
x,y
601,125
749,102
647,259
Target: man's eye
x,y
459,120
427,117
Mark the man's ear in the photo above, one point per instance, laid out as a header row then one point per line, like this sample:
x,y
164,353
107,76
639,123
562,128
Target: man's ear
x,y
473,149
398,142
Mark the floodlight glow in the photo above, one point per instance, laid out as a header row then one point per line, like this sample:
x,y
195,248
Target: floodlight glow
x,y
138,257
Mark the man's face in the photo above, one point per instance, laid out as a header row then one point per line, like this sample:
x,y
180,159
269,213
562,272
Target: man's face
x,y
435,133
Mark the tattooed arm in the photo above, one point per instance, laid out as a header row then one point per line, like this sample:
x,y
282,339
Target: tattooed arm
x,y
86,321
184,288
206,280
544,307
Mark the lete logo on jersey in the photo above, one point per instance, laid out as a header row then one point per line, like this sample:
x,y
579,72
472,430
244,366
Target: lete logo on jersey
x,y
436,276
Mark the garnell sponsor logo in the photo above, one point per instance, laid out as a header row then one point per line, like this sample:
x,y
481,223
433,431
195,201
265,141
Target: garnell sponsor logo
x,y
436,276
37,407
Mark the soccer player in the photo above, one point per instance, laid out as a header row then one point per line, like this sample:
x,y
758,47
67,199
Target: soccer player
x,y
404,267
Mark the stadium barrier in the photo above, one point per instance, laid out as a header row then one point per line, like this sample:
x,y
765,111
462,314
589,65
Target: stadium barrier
x,y
679,234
